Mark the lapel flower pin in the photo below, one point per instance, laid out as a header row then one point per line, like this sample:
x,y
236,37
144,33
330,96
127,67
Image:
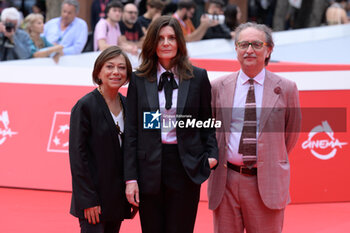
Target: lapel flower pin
x,y
277,90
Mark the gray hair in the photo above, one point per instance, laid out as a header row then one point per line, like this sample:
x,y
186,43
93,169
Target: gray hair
x,y
74,3
10,13
260,27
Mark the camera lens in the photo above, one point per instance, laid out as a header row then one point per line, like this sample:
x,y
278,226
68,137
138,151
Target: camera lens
x,y
9,26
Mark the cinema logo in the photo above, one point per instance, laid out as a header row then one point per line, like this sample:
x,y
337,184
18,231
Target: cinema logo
x,y
59,134
322,143
5,130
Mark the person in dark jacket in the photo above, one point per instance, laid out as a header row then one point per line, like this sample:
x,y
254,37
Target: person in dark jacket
x,y
96,147
165,165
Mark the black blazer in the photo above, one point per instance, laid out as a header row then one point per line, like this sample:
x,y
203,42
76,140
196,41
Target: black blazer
x,y
143,147
96,159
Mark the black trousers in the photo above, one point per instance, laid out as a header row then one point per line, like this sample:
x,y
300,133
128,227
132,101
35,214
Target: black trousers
x,y
174,208
102,227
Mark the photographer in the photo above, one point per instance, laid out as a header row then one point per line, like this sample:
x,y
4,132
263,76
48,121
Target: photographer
x,y
216,12
14,42
184,14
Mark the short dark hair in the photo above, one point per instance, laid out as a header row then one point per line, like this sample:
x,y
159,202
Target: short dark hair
x,y
260,27
113,4
188,4
158,4
106,55
219,3
149,57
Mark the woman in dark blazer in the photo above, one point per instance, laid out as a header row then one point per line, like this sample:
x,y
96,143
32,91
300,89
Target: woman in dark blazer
x,y
96,145
164,166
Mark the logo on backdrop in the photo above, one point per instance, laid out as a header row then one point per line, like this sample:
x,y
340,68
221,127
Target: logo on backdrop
x,y
322,143
151,120
59,134
156,120
5,130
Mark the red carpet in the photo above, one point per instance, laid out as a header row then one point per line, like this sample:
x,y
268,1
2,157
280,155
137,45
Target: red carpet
x,y
31,211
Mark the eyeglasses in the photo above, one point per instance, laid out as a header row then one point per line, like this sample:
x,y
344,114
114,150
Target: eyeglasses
x,y
255,44
131,12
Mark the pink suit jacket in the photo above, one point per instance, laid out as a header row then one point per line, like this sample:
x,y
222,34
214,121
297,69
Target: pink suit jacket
x,y
279,128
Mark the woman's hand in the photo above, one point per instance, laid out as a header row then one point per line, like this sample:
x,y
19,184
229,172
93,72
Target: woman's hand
x,y
132,193
93,214
59,52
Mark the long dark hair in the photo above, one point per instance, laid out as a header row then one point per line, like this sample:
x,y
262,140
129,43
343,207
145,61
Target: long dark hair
x,y
149,58
230,13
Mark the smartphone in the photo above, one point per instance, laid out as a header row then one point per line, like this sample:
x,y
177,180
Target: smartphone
x,y
220,18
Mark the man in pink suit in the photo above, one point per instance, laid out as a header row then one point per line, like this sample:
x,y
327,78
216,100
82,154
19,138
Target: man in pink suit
x,y
253,197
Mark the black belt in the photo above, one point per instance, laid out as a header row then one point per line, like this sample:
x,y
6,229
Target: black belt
x,y
242,169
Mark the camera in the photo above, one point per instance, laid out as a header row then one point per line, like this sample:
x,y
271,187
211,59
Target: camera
x,y
9,26
219,18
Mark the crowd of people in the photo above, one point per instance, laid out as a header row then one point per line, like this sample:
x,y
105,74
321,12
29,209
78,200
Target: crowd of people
x,y
115,22
64,35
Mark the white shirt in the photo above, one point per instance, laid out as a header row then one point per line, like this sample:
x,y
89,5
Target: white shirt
x,y
168,131
120,121
73,38
239,99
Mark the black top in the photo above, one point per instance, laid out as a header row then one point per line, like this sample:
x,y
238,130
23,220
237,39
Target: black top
x,y
131,34
143,147
218,31
144,21
96,159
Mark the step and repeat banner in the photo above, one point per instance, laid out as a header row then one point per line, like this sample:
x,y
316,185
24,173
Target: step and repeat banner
x,y
35,109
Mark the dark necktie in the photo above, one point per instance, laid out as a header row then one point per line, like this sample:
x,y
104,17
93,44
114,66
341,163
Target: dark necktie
x,y
168,85
247,144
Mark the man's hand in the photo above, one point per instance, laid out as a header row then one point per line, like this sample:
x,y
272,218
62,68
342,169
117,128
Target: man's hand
x,y
205,20
93,214
7,34
132,193
10,35
212,162
2,27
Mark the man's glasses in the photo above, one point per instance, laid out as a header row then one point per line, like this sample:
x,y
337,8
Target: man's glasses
x,y
255,44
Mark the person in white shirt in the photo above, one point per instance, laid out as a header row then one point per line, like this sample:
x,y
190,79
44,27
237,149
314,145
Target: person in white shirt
x,y
68,30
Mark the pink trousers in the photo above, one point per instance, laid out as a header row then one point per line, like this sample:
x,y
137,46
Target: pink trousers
x,y
242,208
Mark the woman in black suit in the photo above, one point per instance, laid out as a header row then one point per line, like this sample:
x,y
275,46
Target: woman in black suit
x,y
96,145
165,164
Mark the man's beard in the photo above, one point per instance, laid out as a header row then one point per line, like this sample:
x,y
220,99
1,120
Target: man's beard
x,y
131,21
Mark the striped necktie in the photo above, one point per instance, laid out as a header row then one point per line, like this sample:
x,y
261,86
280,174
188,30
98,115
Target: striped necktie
x,y
247,144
